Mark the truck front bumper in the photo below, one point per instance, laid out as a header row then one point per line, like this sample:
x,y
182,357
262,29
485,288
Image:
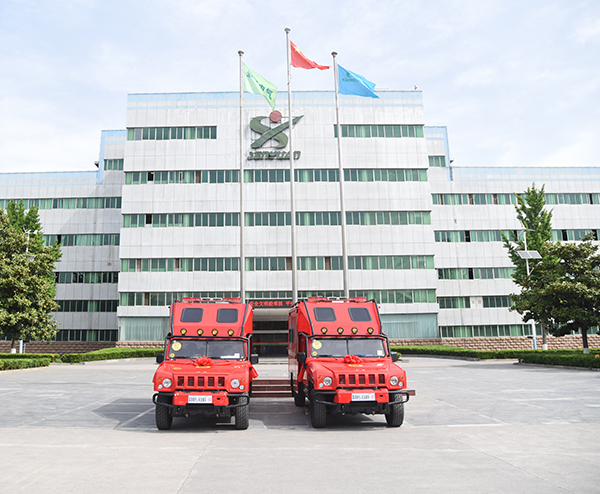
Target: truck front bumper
x,y
223,405
340,401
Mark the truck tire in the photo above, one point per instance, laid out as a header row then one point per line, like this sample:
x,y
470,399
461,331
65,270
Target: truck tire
x,y
241,415
318,413
162,415
299,396
396,415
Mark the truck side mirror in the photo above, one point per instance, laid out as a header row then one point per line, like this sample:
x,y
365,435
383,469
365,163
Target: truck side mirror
x,y
160,357
254,358
301,357
394,356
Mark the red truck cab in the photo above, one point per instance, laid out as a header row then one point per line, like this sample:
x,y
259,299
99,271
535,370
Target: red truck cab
x,y
340,360
206,368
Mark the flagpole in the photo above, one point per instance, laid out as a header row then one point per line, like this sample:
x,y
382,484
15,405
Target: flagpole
x,y
292,198
242,214
342,201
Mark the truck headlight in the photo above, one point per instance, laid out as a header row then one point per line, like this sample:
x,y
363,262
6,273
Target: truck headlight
x,y
327,381
394,380
235,383
166,383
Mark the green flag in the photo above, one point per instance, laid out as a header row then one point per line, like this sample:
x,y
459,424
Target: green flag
x,y
256,84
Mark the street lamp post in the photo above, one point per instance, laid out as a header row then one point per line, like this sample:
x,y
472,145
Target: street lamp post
x,y
29,259
530,254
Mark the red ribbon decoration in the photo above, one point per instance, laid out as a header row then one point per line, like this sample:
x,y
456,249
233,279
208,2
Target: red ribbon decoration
x,y
204,361
352,359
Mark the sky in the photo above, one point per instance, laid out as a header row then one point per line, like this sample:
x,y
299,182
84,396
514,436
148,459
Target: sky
x,y
516,83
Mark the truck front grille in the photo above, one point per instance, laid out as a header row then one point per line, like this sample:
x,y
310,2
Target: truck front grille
x,y
360,379
200,382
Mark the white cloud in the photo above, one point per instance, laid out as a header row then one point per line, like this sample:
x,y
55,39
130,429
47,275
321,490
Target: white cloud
x,y
588,31
514,82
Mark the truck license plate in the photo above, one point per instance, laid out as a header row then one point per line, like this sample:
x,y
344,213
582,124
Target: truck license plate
x,y
202,399
363,396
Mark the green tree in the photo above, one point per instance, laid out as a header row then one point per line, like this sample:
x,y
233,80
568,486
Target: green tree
x,y
27,280
536,232
566,290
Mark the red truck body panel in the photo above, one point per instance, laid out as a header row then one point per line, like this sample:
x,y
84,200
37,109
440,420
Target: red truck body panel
x,y
339,358
206,367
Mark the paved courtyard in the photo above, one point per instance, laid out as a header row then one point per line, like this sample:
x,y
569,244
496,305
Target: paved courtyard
x,y
473,427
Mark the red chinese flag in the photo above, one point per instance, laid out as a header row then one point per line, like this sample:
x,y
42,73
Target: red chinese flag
x,y
300,61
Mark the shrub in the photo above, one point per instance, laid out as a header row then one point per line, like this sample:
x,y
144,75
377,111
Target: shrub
x,y
23,363
51,356
434,350
569,360
110,354
482,354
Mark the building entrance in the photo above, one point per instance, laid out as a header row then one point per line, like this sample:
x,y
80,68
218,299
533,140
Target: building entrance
x,y
270,338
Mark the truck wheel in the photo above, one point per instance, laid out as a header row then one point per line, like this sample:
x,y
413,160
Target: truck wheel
x,y
299,396
318,413
396,416
162,414
241,415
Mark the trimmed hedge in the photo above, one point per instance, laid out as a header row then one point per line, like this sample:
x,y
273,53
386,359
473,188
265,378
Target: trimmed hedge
x,y
51,356
453,351
591,361
110,354
23,363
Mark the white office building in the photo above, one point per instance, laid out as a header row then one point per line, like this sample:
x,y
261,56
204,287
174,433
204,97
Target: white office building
x,y
160,219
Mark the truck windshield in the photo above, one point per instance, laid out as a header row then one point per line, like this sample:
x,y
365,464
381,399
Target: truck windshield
x,y
340,347
218,349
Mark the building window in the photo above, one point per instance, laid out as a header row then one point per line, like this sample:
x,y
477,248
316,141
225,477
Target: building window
x,y
388,218
493,330
583,198
87,277
165,299
475,273
182,177
437,161
180,264
68,203
113,164
93,240
267,176
473,199
573,235
367,131
170,133
501,301
385,175
470,235
317,175
268,219
454,302
87,305
86,335
180,220
390,262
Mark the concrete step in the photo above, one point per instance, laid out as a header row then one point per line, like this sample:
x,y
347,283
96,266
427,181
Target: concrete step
x,y
271,388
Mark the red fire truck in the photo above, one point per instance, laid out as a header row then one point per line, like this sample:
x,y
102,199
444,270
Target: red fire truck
x,y
340,360
206,368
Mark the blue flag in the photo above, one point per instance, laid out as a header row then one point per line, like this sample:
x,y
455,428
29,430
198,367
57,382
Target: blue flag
x,y
353,83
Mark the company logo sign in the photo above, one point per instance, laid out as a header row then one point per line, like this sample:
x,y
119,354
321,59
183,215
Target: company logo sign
x,y
268,133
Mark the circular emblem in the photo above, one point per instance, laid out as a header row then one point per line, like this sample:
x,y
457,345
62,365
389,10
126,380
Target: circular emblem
x,y
275,116
176,346
317,344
